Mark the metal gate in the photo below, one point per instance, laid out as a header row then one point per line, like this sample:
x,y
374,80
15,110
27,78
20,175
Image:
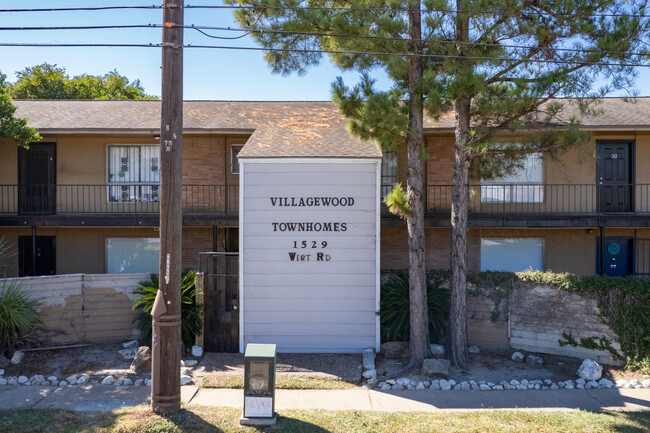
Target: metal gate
x,y
221,301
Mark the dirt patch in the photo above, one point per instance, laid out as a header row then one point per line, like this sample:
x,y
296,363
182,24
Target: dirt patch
x,y
104,359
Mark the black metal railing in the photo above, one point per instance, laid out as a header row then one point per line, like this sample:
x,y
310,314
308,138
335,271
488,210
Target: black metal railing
x,y
122,198
511,198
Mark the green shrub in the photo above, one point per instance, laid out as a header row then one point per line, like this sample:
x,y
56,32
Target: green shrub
x,y
18,315
191,322
395,312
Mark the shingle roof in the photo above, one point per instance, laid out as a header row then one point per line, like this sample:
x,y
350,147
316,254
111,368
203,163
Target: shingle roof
x,y
279,129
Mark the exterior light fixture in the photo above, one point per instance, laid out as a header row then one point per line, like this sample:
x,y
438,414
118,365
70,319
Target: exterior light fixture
x,y
259,385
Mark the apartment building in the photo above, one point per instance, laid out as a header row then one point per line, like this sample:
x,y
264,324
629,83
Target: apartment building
x,y
85,199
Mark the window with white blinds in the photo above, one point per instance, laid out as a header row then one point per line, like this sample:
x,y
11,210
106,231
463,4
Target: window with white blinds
x,y
132,255
133,173
524,186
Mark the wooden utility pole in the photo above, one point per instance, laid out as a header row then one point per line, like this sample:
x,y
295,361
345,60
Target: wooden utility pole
x,y
166,312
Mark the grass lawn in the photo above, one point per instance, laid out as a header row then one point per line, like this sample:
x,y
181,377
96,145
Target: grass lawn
x,y
207,419
236,381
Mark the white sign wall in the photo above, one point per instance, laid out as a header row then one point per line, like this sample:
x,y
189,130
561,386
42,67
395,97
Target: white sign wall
x,y
309,254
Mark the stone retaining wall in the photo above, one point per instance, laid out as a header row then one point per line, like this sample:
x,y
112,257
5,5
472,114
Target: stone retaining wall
x,y
81,307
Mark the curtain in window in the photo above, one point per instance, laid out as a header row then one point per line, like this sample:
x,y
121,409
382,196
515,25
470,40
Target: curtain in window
x,y
133,166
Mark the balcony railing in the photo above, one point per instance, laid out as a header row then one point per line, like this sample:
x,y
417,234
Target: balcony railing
x,y
586,199
123,198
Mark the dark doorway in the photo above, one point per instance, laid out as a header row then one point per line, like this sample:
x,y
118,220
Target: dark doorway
x,y
37,179
613,176
618,253
221,301
45,256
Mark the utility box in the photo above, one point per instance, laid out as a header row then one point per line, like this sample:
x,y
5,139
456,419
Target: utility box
x,y
259,384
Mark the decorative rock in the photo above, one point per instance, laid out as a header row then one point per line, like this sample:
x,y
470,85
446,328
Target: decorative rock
x,y
420,386
445,385
72,380
395,349
18,357
569,385
548,382
118,382
580,381
621,383
473,385
373,381
4,362
514,382
36,381
465,386
398,386
45,383
130,344
534,361
384,386
2,372
63,383
580,386
108,380
127,382
391,381
54,382
190,362
634,382
197,351
452,382
138,382
83,380
22,379
141,360
3,381
366,386
186,371
369,373
537,386
433,366
437,349
473,349
369,359
435,385
645,383
590,370
484,388
604,383
51,378
410,387
12,381
404,381
426,383
592,384
517,357
498,387
147,382
554,386
128,353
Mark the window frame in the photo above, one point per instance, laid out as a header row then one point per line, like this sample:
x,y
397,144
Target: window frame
x,y
542,243
234,162
108,241
499,190
388,157
136,191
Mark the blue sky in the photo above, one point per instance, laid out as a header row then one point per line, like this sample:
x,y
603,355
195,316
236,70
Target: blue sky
x,y
208,74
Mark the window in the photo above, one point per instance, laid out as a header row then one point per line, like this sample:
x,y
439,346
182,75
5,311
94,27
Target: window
x,y
133,173
525,186
512,254
234,162
132,255
388,172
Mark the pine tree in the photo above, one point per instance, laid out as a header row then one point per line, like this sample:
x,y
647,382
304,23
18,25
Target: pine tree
x,y
502,66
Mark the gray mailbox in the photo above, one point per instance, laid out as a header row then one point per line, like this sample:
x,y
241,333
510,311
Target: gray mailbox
x,y
259,384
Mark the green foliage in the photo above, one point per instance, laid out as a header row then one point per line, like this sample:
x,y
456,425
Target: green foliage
x,y
394,311
191,321
48,81
398,202
18,315
11,127
592,343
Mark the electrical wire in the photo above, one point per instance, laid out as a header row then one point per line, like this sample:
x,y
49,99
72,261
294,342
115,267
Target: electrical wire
x,y
444,11
71,9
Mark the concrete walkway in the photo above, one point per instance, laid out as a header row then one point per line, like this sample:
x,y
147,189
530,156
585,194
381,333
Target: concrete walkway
x,y
106,398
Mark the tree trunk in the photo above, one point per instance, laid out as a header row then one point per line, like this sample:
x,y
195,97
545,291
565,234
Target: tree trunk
x,y
457,326
419,321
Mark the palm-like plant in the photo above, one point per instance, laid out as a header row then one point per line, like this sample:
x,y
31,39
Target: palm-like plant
x,y
191,321
394,308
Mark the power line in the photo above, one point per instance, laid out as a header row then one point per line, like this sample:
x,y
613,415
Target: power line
x,y
334,35
444,11
71,9
383,38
